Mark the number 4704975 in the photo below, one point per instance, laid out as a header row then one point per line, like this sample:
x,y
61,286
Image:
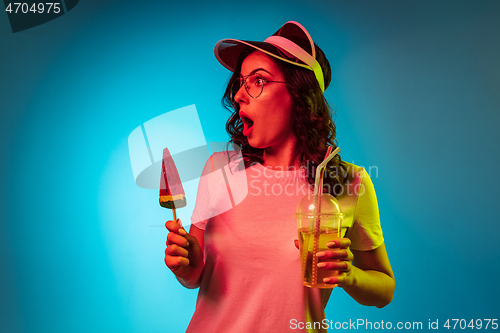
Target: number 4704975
x,y
40,8
474,324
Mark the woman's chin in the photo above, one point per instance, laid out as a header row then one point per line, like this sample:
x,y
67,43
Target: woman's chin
x,y
256,144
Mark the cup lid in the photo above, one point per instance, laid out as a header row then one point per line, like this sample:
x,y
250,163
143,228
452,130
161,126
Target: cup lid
x,y
329,206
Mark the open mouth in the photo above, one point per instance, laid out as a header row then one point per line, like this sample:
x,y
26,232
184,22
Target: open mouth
x,y
247,122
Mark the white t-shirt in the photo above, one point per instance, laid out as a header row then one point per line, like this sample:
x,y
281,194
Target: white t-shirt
x,y
252,280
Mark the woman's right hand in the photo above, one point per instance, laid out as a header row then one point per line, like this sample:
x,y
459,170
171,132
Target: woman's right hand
x,y
183,255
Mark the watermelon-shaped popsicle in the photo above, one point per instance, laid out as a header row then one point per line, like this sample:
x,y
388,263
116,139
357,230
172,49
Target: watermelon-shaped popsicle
x,y
171,192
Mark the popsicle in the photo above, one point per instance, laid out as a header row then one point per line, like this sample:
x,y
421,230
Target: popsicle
x,y
172,194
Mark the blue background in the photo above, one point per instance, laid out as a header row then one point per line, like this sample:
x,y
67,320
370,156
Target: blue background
x,y
416,90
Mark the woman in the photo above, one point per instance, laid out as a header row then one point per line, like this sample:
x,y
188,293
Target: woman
x,y
245,259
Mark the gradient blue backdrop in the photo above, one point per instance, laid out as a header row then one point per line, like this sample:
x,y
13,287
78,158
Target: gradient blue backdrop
x,y
416,89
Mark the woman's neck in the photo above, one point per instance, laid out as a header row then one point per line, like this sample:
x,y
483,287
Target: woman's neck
x,y
282,159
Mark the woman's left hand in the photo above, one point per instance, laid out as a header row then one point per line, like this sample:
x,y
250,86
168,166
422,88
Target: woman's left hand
x,y
370,282
338,258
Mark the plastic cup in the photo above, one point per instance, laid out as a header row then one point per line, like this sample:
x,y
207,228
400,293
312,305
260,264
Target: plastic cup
x,y
316,228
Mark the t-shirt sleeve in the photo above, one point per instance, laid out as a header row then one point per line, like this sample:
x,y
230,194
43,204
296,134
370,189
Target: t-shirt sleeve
x,y
202,211
222,185
366,232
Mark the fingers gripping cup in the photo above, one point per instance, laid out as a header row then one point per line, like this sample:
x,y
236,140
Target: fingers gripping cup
x,y
319,221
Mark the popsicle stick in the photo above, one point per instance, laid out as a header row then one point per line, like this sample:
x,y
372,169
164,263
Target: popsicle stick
x,y
175,217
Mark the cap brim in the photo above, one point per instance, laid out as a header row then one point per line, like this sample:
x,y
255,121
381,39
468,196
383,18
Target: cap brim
x,y
227,52
291,43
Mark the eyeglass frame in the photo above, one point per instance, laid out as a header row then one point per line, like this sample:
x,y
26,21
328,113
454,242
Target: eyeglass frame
x,y
232,98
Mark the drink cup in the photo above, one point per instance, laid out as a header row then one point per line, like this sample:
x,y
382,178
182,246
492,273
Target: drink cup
x,y
317,227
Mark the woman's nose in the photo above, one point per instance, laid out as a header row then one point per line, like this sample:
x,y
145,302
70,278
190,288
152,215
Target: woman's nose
x,y
241,95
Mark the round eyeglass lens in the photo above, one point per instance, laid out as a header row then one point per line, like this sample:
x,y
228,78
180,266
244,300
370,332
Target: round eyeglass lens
x,y
253,85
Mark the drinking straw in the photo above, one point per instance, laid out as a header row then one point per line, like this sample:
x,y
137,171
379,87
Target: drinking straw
x,y
322,174
318,186
321,167
315,224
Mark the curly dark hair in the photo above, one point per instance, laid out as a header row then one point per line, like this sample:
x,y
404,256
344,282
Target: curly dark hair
x,y
313,126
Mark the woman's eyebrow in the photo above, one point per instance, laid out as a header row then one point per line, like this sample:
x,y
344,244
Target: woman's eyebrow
x,y
256,70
